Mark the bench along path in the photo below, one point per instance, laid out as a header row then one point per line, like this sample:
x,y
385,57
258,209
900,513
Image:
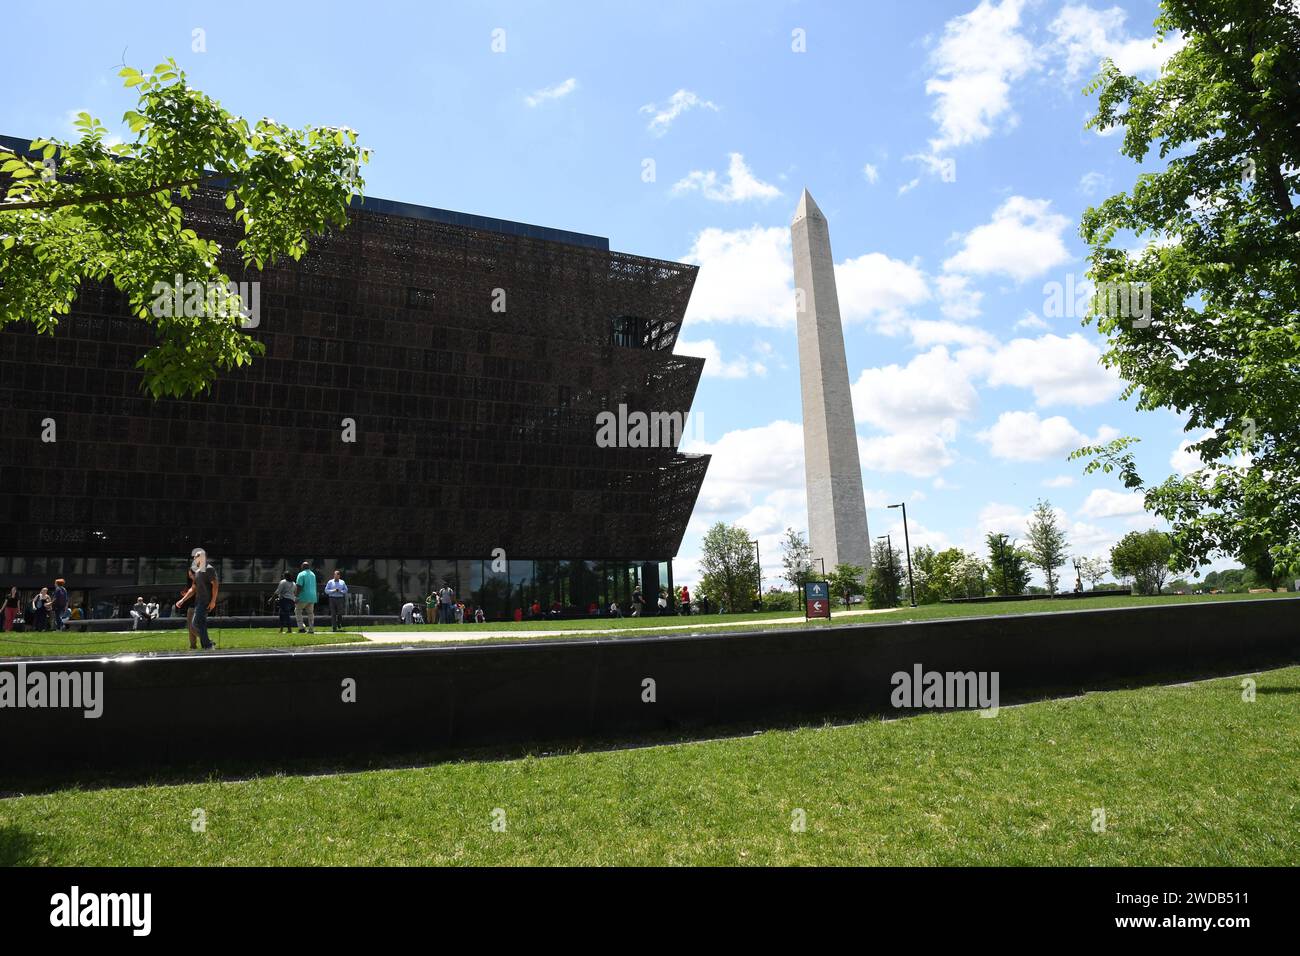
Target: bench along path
x,y
451,632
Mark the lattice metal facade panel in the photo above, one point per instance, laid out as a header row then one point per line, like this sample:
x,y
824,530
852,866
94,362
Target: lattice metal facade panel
x,y
475,428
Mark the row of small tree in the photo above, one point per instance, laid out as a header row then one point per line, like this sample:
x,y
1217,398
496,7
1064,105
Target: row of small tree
x,y
1004,569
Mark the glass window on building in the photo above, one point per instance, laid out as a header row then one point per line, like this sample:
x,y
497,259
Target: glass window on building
x,y
237,571
470,575
268,570
494,594
440,573
522,587
171,571
413,578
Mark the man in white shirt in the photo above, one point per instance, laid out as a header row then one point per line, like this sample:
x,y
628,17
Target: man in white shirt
x,y
408,613
336,590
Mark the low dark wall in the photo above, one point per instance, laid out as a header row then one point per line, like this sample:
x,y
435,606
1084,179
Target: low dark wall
x,y
279,705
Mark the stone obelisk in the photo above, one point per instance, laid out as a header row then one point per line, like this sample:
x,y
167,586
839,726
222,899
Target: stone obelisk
x,y
837,511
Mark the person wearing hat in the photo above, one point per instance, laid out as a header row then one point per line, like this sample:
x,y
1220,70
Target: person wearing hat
x,y
306,604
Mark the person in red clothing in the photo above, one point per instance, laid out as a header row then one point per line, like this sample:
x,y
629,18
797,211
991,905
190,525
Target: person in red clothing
x,y
11,605
684,598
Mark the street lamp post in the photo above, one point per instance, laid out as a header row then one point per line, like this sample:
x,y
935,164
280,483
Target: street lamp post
x,y
758,562
907,544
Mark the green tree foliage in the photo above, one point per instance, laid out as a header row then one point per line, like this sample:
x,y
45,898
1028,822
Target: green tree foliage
x,y
947,574
1222,348
846,581
777,600
1144,557
1046,543
729,569
1094,571
88,210
1008,565
885,580
930,583
796,559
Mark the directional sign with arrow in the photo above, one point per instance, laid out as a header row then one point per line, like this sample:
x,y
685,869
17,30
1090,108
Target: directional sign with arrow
x,y
817,600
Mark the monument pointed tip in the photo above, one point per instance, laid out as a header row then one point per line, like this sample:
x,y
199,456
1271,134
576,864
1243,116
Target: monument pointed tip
x,y
807,207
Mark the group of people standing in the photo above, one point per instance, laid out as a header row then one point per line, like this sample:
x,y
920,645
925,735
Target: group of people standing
x,y
47,611
296,600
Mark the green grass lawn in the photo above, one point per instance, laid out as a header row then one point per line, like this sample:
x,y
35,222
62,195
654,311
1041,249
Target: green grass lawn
x,y
1186,775
99,644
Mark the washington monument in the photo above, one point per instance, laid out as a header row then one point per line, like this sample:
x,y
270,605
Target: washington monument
x,y
837,511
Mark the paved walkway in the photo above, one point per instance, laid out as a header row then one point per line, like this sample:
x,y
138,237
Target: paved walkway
x,y
452,633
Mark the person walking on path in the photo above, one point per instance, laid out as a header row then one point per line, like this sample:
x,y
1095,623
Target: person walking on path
x,y
284,600
306,585
11,604
204,591
186,603
336,589
60,604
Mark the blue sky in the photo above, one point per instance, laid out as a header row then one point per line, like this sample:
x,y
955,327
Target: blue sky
x,y
945,142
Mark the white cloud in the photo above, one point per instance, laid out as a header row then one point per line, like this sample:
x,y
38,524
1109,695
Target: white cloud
x,y
746,275
750,465
1059,481
714,364
558,91
927,394
1085,36
1023,240
1023,436
874,286
1184,461
1032,321
995,518
957,299
680,102
741,184
909,186
979,56
871,172
1104,503
927,332
914,453
1094,183
1059,370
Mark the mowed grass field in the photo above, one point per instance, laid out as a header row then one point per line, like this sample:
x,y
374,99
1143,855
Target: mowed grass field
x,y
1191,775
99,644
105,643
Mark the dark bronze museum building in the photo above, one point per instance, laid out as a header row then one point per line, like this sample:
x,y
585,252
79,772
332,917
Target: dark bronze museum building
x,y
467,360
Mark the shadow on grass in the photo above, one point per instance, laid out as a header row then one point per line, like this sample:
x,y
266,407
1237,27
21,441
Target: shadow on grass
x,y
17,847
1277,690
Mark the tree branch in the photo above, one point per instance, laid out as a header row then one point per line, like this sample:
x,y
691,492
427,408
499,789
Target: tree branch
x,y
105,197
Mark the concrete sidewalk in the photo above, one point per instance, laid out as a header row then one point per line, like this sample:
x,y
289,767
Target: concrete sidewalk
x,y
450,632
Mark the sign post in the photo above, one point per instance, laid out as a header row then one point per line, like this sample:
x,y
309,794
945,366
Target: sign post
x,y
817,600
